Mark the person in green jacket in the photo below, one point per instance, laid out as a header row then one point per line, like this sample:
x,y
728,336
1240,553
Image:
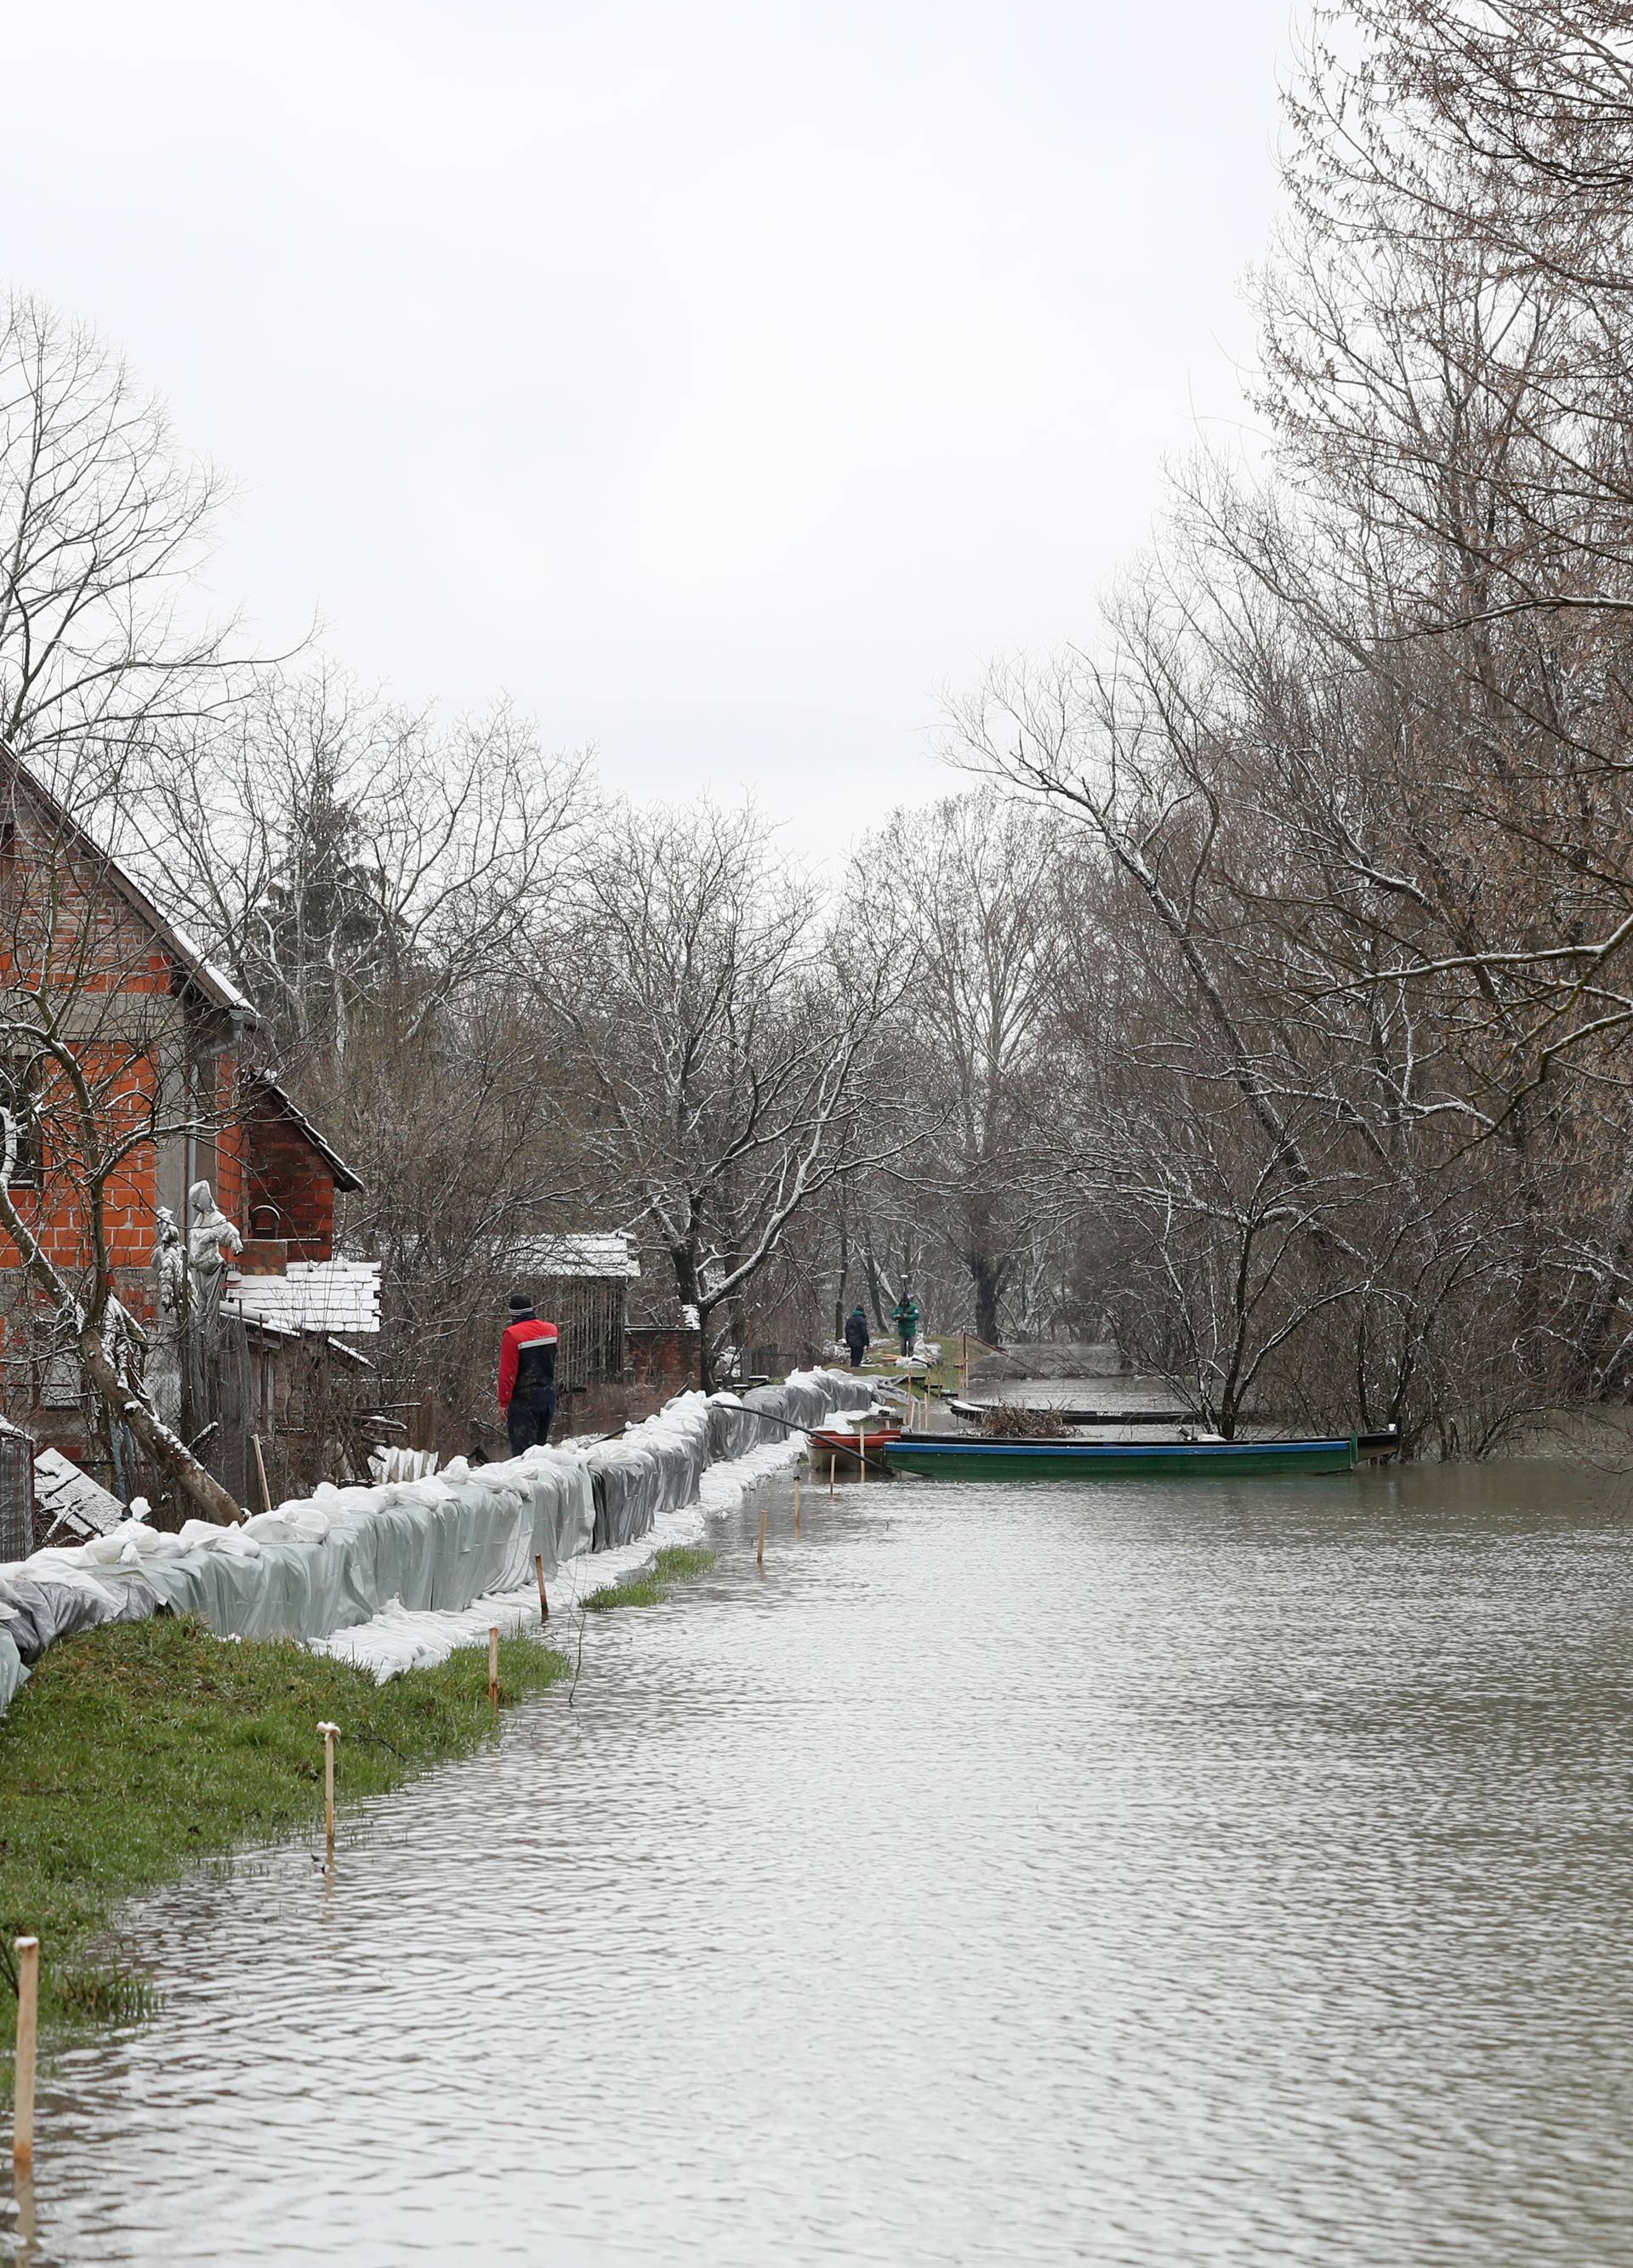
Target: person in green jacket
x,y
905,1316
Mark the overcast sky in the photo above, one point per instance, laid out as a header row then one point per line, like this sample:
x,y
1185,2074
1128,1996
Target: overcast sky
x,y
719,378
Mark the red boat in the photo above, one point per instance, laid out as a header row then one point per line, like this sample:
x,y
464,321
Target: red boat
x,y
835,1449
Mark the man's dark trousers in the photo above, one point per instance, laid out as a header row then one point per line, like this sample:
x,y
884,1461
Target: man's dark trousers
x,y
528,1423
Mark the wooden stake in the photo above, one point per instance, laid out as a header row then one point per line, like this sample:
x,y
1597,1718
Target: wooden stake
x,y
759,1557
493,1664
331,1733
796,1504
27,1952
261,1467
833,1461
539,1562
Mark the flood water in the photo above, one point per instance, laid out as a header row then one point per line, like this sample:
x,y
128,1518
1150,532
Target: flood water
x,y
1144,1873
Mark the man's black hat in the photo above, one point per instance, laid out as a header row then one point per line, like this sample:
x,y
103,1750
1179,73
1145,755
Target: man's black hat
x,y
519,1304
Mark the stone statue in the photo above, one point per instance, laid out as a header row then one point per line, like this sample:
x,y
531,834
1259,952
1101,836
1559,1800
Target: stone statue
x,y
163,1361
169,1270
208,1230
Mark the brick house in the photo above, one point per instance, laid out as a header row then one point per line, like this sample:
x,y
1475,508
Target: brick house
x,y
123,1058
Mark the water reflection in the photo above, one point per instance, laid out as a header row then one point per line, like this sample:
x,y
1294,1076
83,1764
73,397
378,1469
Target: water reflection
x,y
1133,1872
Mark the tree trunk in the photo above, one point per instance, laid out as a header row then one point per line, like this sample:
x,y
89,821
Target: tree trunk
x,y
126,1406
1593,1333
984,1274
688,1291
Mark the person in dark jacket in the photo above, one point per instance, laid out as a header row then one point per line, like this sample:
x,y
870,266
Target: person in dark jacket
x,y
856,1335
527,1375
905,1316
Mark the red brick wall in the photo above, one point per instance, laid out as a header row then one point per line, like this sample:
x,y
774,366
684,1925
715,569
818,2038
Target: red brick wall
x,y
285,1172
232,1144
670,1359
64,923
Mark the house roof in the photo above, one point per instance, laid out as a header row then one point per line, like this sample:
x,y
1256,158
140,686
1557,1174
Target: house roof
x,y
64,1497
200,972
262,1082
315,1295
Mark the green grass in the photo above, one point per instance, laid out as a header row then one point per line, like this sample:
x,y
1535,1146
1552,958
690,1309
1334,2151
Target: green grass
x,y
677,1562
140,1749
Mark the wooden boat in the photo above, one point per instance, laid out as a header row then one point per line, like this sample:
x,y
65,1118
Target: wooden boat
x,y
1069,1414
1372,1448
966,1456
836,1447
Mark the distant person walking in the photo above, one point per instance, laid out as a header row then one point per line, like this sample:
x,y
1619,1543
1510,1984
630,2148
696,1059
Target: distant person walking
x,y
905,1316
856,1335
526,1376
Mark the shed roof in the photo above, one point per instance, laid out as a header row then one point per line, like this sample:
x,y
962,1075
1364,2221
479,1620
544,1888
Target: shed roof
x,y
67,1498
604,1253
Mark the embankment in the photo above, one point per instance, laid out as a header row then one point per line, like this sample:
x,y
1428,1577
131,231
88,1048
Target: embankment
x,y
345,1559
148,1745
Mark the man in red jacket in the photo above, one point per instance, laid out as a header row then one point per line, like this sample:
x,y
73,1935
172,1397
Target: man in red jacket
x,y
527,1375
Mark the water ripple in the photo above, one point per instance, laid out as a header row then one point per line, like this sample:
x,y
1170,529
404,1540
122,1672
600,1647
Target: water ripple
x,y
1144,1876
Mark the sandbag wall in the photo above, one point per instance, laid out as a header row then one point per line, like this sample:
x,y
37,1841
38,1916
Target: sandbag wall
x,y
652,1467
432,1544
315,1565
331,1561
739,1423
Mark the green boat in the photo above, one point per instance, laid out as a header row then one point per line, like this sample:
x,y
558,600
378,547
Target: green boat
x,y
966,1456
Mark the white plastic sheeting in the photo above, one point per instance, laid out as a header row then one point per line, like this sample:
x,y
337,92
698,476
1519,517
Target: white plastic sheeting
x,y
12,1669
398,1575
765,1414
651,1467
319,1563
336,1558
656,1469
39,1608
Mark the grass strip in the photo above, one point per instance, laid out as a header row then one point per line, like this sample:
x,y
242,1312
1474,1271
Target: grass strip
x,y
676,1562
139,1750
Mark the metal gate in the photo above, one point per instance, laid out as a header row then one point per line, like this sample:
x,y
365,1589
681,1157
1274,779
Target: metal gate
x,y
16,1494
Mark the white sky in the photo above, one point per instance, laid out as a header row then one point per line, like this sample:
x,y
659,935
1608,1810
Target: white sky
x,y
719,378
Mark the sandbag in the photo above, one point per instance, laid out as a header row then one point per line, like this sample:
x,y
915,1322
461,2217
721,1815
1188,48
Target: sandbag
x,y
652,1467
739,1423
13,1669
323,1565
40,1611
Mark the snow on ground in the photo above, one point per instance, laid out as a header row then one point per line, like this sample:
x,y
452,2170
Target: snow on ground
x,y
396,1639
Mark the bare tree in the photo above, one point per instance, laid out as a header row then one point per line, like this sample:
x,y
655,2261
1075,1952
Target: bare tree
x,y
974,884
722,1040
104,525
338,853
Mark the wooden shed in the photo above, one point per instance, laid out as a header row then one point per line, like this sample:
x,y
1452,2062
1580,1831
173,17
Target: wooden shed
x,y
580,1282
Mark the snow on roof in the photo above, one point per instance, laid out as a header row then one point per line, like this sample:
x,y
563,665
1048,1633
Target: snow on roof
x,y
215,986
604,1254
67,1498
315,1295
